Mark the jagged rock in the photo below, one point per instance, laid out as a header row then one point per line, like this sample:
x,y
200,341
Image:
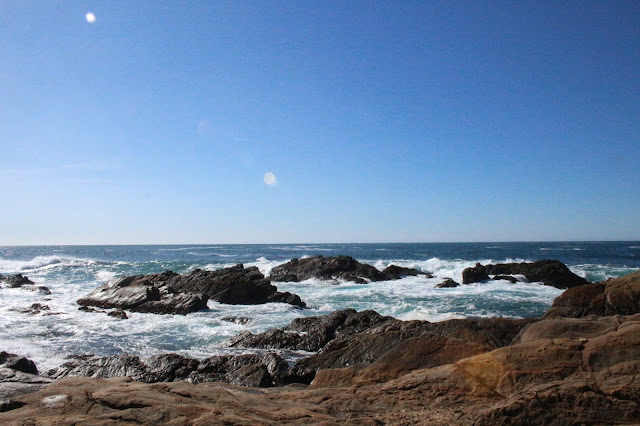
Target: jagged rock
x,y
394,272
15,281
171,293
474,275
120,314
311,333
34,309
548,272
237,320
448,283
509,278
258,370
338,268
427,345
616,296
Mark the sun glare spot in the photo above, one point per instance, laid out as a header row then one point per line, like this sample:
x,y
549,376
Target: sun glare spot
x,y
270,179
91,18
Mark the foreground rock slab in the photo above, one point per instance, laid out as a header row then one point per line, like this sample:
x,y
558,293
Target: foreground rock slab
x,y
338,268
585,374
548,272
172,293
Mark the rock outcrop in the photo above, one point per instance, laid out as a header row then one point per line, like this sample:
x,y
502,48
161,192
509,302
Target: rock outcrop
x,y
21,281
171,293
548,272
258,370
556,371
616,296
447,283
18,376
338,268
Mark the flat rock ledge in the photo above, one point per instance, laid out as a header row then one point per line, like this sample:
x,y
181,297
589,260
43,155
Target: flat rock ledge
x,y
172,293
338,268
549,272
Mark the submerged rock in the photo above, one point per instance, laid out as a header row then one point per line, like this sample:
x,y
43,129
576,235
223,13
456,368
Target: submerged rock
x,y
171,293
15,281
548,272
338,268
616,296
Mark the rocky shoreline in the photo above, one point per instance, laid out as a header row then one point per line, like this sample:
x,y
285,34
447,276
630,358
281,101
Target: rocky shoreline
x,y
576,365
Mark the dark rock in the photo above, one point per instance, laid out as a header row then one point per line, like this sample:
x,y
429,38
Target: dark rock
x,y
474,275
616,296
311,333
89,309
237,320
509,278
428,344
18,363
236,286
171,293
259,370
326,268
448,283
548,272
34,309
120,314
15,281
394,272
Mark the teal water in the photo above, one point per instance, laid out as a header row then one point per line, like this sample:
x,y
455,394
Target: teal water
x,y
73,271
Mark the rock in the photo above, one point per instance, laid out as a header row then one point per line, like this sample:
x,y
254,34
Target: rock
x,y
259,370
326,268
18,376
474,275
447,283
171,293
236,286
34,309
509,278
616,296
394,272
15,281
548,272
237,320
120,314
585,374
311,333
18,363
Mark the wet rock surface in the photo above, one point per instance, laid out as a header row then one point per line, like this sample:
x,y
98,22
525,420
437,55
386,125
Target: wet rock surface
x,y
171,293
259,370
338,268
548,272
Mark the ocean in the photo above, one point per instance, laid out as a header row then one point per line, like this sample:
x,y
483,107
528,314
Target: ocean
x,y
73,271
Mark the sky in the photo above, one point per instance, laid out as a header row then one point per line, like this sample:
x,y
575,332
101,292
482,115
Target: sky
x,y
279,122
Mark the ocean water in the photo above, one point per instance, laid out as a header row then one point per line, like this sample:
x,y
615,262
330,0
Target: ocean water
x,y
73,271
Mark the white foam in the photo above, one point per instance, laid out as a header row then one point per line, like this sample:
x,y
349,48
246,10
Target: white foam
x,y
39,262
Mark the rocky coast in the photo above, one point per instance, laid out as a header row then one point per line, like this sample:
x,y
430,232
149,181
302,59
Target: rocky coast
x,y
577,365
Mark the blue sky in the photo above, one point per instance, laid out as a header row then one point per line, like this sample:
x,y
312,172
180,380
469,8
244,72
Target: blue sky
x,y
379,121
